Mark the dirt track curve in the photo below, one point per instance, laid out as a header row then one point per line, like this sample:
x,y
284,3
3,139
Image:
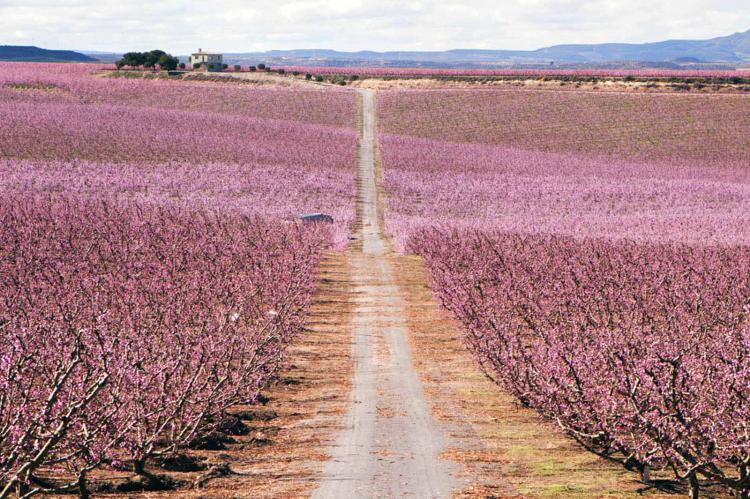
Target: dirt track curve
x,y
391,443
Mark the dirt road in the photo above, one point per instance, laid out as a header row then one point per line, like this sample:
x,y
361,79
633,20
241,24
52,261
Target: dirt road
x,y
391,443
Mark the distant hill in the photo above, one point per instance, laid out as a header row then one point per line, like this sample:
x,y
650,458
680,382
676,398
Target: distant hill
x,y
36,54
103,56
730,50
724,51
733,48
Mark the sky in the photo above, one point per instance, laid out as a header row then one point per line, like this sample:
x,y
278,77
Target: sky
x,y
181,26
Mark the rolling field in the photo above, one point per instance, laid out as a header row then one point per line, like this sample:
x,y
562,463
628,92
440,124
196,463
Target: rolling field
x,y
576,164
642,127
415,72
65,130
170,327
154,270
75,84
593,248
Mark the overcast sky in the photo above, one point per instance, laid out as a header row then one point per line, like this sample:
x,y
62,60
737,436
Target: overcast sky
x,y
180,26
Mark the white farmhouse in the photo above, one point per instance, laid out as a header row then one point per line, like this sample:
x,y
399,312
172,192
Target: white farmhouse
x,y
213,61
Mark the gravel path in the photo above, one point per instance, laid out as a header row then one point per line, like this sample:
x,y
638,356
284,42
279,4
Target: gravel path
x,y
391,443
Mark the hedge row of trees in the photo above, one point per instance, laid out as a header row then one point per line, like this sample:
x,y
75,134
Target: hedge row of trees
x,y
149,60
169,62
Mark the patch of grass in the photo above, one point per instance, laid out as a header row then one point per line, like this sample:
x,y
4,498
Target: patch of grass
x,y
551,468
559,490
524,453
510,433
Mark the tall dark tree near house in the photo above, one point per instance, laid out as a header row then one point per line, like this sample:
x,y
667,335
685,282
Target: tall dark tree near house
x,y
133,59
168,62
152,58
148,60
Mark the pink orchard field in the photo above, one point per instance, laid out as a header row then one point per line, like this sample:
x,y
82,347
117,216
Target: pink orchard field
x,y
441,72
595,249
153,268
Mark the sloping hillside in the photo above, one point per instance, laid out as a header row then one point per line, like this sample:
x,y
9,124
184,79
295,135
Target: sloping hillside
x,y
36,54
733,49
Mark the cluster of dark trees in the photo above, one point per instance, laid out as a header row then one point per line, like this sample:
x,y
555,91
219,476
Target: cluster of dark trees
x,y
148,60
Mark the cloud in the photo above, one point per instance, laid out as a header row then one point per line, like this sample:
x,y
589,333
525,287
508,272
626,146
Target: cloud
x,y
246,25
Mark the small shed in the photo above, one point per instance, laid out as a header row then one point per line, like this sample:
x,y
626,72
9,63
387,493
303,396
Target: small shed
x,y
212,61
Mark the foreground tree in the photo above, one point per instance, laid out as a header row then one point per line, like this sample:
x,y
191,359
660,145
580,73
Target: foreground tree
x,y
639,352
138,345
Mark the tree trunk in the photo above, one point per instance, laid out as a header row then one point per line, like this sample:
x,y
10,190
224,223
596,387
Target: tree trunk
x,y
148,480
139,467
22,485
83,491
695,487
646,473
21,489
743,493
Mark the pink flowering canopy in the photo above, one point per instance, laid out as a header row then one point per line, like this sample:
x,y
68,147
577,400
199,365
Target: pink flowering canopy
x,y
603,73
594,246
153,267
